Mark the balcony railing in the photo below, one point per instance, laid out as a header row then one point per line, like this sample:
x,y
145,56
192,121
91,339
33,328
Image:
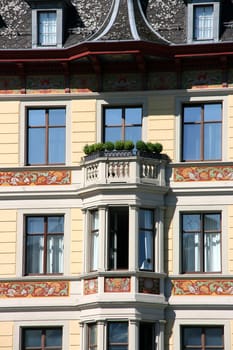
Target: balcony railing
x,y
123,167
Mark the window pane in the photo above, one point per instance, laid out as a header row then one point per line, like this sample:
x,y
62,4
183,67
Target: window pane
x,y
212,141
47,28
191,252
203,18
35,225
212,222
146,336
133,133
54,337
35,254
192,142
55,224
36,137
192,336
212,253
57,117
118,332
113,116
57,145
113,134
32,337
213,112
55,254
192,114
92,336
145,250
191,222
36,117
146,219
133,115
214,336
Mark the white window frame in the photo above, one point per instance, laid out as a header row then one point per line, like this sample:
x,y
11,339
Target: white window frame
x,y
190,19
45,321
199,98
186,322
35,26
23,130
177,239
20,252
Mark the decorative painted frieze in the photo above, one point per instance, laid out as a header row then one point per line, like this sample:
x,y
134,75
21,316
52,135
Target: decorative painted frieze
x,y
39,178
202,287
45,84
91,286
34,289
117,285
205,173
149,285
202,79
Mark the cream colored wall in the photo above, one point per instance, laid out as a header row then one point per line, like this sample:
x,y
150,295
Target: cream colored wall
x,y
230,238
161,122
76,244
168,249
7,243
9,134
6,335
83,115
74,336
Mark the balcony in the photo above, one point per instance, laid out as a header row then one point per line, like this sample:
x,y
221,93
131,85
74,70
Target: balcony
x,y
119,167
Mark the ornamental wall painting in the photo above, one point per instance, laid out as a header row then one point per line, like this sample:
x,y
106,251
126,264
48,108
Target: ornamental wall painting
x,y
37,178
91,286
205,173
83,83
202,79
117,285
162,81
122,82
45,84
202,287
34,289
10,85
149,285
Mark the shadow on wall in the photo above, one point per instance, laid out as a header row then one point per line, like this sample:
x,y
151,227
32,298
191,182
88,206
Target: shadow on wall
x,y
226,14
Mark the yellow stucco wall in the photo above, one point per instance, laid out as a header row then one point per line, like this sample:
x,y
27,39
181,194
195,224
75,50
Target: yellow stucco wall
x,y
6,335
7,243
74,335
230,238
76,244
9,134
161,122
83,116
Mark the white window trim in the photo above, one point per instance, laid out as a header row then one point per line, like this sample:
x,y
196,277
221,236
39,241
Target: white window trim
x,y
20,239
201,322
43,323
35,27
120,102
23,131
190,19
177,257
180,101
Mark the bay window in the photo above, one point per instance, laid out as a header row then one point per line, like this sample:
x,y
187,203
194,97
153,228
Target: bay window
x,y
201,242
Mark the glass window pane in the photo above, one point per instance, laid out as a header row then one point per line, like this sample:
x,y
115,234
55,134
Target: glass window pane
x,y
133,133
145,250
191,252
212,141
56,145
55,250
213,112
113,116
203,17
214,336
36,137
92,335
133,115
212,222
35,225
191,222
113,134
36,117
191,142
55,224
146,219
47,28
32,337
118,332
54,337
192,114
34,254
192,336
212,253
57,117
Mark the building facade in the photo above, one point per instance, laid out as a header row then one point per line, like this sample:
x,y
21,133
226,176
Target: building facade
x,y
126,246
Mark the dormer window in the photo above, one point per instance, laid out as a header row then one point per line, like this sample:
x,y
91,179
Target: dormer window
x,y
47,28
48,22
203,20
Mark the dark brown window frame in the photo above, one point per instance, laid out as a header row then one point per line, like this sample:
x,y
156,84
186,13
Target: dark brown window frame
x,y
46,127
45,236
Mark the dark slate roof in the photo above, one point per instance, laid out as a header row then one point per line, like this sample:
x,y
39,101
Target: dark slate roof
x,y
158,21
